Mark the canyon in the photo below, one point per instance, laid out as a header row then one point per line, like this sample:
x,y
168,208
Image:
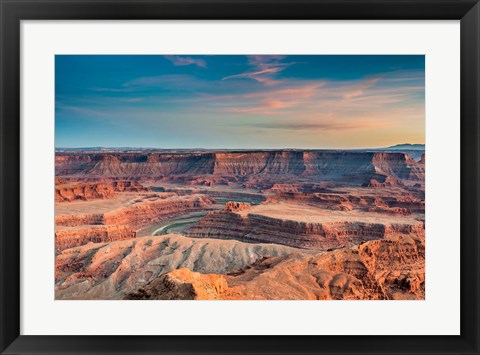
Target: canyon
x,y
207,168
112,270
388,269
249,224
124,221
65,192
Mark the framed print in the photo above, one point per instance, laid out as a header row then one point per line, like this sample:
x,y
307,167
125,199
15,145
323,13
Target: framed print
x,y
237,177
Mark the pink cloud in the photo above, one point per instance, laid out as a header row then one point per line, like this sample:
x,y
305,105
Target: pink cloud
x,y
264,67
360,88
182,61
269,102
350,105
278,104
256,75
265,108
266,61
289,93
317,126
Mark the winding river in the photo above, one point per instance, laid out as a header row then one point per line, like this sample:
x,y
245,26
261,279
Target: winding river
x,y
174,225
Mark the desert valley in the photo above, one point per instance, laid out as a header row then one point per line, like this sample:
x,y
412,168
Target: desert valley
x,y
239,177
157,224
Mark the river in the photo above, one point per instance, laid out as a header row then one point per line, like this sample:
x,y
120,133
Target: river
x,y
173,225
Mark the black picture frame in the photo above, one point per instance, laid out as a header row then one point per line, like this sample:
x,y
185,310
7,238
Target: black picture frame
x,y
12,12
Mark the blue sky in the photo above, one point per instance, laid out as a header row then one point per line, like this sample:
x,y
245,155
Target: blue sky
x,y
237,102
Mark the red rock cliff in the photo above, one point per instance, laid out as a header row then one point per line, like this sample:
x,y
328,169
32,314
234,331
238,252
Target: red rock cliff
x,y
124,222
319,236
88,191
392,268
316,165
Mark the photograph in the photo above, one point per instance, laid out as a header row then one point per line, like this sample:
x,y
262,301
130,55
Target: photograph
x,y
239,177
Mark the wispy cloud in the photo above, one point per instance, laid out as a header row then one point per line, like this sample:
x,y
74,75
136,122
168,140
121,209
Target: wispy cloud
x,y
263,69
265,108
316,103
255,75
89,112
173,83
360,88
272,101
183,61
322,126
329,105
100,89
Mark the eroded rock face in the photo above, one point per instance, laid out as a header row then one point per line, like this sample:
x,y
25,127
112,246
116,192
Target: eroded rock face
x,y
122,223
398,165
394,204
392,268
142,214
67,192
317,225
79,220
233,206
384,181
254,228
202,168
139,214
72,237
183,284
111,270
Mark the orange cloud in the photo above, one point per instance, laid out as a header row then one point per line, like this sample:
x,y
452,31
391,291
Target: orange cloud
x,y
360,89
273,100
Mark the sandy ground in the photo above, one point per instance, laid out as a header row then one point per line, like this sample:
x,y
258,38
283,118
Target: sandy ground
x,y
312,214
98,206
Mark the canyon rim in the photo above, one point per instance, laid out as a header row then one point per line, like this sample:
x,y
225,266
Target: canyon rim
x,y
239,177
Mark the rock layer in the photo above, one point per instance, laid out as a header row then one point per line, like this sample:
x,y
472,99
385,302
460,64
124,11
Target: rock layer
x,y
72,237
122,223
255,228
88,191
313,165
395,204
111,270
382,269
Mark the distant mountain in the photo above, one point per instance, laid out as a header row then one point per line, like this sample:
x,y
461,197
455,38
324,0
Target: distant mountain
x,y
406,146
98,149
398,147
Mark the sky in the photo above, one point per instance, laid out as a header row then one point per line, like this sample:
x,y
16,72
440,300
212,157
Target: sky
x,y
239,101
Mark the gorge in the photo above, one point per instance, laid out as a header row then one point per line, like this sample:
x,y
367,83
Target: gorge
x,y
177,224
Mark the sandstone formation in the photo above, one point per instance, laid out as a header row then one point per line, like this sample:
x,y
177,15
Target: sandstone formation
x,y
254,228
292,188
209,168
233,206
255,224
392,268
111,270
139,214
65,192
144,213
124,222
403,203
72,237
384,181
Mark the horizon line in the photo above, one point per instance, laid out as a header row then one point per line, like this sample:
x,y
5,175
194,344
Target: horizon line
x,y
253,148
